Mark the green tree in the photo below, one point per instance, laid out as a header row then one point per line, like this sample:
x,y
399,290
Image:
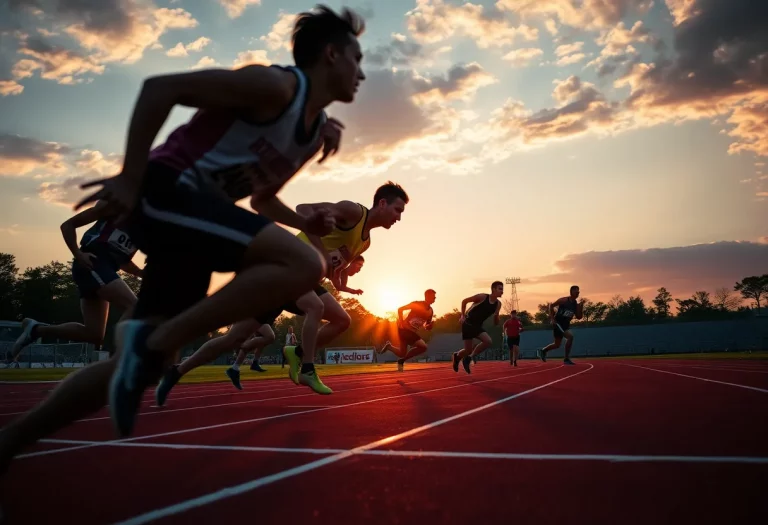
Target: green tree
x,y
754,287
9,301
542,315
662,301
594,312
47,293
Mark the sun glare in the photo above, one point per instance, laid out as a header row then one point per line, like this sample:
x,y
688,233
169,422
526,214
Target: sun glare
x,y
388,296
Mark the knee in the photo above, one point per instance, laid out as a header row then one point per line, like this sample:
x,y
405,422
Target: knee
x,y
312,305
342,320
270,338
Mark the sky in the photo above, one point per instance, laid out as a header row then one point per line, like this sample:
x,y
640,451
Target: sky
x,y
620,145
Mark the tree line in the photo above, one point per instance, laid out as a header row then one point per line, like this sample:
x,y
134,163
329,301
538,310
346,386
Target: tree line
x,y
47,293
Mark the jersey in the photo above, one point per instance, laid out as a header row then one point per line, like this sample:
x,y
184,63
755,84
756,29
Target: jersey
x,y
419,315
344,244
512,327
481,311
107,242
223,153
565,313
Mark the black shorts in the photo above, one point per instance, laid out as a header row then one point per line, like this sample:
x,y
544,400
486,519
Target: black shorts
x,y
187,235
513,340
469,331
408,337
89,281
556,331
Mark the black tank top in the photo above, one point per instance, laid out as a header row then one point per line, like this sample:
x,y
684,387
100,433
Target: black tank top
x,y
481,311
565,312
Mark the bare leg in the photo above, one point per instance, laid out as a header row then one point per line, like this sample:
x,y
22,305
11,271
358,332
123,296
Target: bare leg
x,y
314,312
338,321
418,348
485,342
212,349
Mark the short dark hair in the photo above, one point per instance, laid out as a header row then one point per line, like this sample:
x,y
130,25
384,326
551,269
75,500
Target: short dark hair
x,y
496,283
574,287
390,191
316,29
513,312
430,291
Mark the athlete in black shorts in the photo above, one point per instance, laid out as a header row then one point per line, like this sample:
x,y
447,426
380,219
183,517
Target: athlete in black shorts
x,y
255,129
420,315
567,309
484,305
103,250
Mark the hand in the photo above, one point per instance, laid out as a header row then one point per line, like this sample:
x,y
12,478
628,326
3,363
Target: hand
x,y
331,135
320,223
86,259
462,319
429,326
356,291
119,192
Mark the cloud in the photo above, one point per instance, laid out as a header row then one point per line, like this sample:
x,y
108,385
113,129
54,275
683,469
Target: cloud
x,y
205,62
10,87
567,49
682,270
24,155
583,14
105,30
581,108
88,165
181,50
12,230
246,58
279,37
461,83
433,21
571,59
522,57
235,8
401,52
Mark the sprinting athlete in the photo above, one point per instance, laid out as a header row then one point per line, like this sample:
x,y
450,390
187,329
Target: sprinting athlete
x,y
420,315
237,337
255,129
567,309
483,306
349,239
513,327
103,250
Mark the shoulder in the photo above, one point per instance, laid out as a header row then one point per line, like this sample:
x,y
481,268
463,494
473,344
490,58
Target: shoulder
x,y
350,211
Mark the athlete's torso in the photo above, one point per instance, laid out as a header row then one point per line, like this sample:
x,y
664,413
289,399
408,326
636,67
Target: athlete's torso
x,y
104,240
223,153
419,315
481,311
512,327
344,244
565,312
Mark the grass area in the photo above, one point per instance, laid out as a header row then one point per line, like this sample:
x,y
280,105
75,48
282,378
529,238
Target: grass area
x,y
215,373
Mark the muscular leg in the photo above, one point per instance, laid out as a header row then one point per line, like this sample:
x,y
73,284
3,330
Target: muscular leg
x,y
485,342
338,321
418,348
314,312
568,345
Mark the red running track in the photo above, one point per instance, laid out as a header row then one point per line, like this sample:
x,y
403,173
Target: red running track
x,y
611,441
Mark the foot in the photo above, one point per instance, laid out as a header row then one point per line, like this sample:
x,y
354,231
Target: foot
x,y
294,363
256,367
26,338
515,363
137,368
312,380
400,365
465,363
234,376
455,362
166,384
567,361
542,355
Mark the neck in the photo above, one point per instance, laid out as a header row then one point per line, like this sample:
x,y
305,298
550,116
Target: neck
x,y
375,220
319,97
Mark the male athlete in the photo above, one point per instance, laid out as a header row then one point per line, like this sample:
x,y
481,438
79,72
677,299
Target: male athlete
x,y
512,328
349,239
237,337
255,129
420,315
567,309
103,250
484,305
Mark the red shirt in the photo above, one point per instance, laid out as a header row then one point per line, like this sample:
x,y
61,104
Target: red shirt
x,y
513,327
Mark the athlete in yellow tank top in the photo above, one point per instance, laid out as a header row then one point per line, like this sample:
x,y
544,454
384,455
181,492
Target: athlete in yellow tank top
x,y
349,239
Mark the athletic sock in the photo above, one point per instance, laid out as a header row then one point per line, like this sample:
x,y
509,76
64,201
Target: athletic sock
x,y
401,361
307,367
299,351
236,367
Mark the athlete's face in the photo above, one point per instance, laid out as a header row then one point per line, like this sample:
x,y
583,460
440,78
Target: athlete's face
x,y
430,298
498,290
575,293
392,211
354,268
346,72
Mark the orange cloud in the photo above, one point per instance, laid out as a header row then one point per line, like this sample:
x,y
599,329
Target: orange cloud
x,y
235,8
246,58
584,14
24,156
522,57
10,87
279,37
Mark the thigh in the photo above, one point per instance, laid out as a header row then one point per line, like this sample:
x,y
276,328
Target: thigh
x,y
484,337
95,313
171,285
332,309
118,293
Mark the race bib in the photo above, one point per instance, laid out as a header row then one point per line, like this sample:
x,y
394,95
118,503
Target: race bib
x,y
120,241
416,323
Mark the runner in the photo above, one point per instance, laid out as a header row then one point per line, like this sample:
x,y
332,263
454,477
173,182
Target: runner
x,y
349,239
484,305
420,315
567,309
513,327
103,250
255,128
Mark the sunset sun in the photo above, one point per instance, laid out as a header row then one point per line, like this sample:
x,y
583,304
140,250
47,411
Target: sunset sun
x,y
387,297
